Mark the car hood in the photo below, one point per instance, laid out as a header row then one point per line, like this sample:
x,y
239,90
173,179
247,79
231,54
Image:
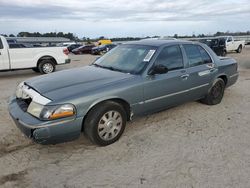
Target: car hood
x,y
63,84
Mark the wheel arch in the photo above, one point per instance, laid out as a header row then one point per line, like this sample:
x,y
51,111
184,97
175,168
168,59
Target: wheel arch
x,y
118,100
46,57
224,78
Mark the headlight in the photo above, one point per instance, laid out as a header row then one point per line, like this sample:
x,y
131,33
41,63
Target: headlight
x,y
35,109
51,112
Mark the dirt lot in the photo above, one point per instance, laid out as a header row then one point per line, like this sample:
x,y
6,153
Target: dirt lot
x,y
192,145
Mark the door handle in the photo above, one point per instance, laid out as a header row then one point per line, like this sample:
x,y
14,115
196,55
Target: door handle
x,y
0,53
212,70
185,76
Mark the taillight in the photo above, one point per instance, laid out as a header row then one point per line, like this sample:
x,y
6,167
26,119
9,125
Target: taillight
x,y
66,51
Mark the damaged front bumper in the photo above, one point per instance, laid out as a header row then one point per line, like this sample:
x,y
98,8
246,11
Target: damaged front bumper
x,y
45,132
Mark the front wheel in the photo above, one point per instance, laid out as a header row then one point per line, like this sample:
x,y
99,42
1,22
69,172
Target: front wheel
x,y
46,66
239,50
216,93
105,123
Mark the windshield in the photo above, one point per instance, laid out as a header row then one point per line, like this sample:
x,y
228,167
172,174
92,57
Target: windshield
x,y
127,58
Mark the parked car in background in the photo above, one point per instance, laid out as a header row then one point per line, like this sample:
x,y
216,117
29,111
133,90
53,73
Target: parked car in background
x,y
100,50
15,56
218,45
11,41
73,46
17,45
37,45
133,79
86,49
65,44
233,45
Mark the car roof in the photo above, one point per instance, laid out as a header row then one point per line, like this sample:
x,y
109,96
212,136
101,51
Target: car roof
x,y
159,42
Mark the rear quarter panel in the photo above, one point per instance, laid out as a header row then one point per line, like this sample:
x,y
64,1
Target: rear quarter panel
x,y
229,68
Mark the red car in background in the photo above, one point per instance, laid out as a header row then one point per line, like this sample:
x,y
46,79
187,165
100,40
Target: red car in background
x,y
86,49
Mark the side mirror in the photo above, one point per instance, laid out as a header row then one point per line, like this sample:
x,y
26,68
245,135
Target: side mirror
x,y
158,69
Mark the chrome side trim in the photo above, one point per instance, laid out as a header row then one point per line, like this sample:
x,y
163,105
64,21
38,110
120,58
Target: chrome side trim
x,y
204,73
234,75
177,93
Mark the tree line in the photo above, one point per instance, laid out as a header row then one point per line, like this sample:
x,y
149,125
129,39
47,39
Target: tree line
x,y
69,35
73,37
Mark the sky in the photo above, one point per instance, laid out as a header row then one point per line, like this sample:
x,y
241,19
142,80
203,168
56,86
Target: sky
x,y
122,18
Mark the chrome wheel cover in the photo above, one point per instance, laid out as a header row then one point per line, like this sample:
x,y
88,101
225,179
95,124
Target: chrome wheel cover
x,y
48,68
109,125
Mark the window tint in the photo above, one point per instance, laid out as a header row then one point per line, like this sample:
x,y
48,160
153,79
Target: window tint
x,y
171,57
196,55
204,55
14,45
230,39
1,44
193,55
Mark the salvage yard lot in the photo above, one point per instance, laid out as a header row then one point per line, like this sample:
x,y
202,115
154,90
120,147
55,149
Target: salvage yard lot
x,y
192,145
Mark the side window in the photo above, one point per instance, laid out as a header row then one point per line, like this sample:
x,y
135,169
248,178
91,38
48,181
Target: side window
x,y
205,57
229,39
193,55
171,57
1,44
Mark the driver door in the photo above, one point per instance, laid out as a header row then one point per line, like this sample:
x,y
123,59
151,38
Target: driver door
x,y
165,90
230,44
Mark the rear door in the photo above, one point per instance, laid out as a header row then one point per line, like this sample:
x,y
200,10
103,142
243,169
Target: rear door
x,y
201,70
4,57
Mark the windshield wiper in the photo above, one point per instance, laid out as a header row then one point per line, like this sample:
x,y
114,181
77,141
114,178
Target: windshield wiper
x,y
97,65
108,67
113,69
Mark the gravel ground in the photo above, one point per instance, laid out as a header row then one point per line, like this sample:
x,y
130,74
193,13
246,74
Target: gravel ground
x,y
192,145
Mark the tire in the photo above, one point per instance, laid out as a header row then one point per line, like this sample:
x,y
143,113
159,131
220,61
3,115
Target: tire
x,y
215,93
239,50
46,66
224,53
35,69
105,123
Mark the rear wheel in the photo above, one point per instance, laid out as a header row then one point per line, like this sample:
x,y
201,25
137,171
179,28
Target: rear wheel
x,y
46,66
105,123
239,50
216,93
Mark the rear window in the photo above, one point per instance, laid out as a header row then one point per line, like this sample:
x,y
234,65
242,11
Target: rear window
x,y
1,44
205,57
196,55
